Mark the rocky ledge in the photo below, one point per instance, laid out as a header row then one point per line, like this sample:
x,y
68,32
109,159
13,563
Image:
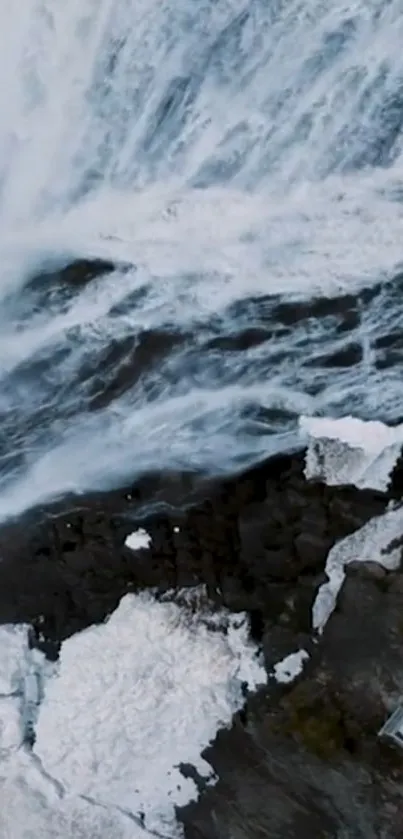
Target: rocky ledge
x,y
301,760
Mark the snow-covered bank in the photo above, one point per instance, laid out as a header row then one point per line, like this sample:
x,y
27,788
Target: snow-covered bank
x,y
130,701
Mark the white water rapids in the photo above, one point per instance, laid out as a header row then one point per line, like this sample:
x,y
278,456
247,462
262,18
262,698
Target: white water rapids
x,y
230,158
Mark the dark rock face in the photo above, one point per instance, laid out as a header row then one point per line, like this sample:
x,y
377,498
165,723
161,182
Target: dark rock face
x,y
77,273
302,760
249,540
306,760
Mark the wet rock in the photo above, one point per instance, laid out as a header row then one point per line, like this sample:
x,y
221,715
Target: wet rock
x,y
240,341
124,362
296,524
301,760
395,582
362,646
347,356
371,570
76,274
249,539
81,271
310,549
281,640
305,760
242,810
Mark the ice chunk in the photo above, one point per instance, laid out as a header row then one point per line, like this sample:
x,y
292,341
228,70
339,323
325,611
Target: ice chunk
x,y
372,542
289,668
351,451
138,539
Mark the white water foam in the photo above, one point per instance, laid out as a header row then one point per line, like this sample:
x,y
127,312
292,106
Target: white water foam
x,y
129,702
226,151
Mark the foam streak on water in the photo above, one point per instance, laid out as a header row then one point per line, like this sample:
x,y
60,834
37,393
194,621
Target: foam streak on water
x,y
234,156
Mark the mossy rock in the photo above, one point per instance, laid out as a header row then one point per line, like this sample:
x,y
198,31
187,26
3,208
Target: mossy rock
x,y
314,718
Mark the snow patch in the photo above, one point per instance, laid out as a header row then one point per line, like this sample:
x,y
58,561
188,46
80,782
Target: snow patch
x,y
351,451
32,807
136,697
22,674
13,651
289,668
138,539
11,734
371,543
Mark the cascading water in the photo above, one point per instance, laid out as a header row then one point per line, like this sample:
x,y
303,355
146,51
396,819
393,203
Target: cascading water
x,y
240,165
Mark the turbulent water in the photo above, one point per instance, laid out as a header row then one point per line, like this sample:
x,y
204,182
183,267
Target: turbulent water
x,y
238,166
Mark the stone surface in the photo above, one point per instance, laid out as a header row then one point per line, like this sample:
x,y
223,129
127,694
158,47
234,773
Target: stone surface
x,y
306,761
249,539
301,760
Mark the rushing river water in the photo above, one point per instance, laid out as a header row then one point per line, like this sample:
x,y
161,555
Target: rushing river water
x,y
238,168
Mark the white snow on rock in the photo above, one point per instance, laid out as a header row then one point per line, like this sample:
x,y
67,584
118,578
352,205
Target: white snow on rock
x,y
139,539
13,658
135,697
10,725
127,703
32,807
351,451
289,668
371,543
22,672
13,651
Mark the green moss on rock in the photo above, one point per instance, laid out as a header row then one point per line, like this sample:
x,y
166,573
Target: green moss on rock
x,y
315,719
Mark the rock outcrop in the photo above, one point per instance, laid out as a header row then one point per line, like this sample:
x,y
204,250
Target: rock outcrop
x,y
300,760
305,760
257,541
